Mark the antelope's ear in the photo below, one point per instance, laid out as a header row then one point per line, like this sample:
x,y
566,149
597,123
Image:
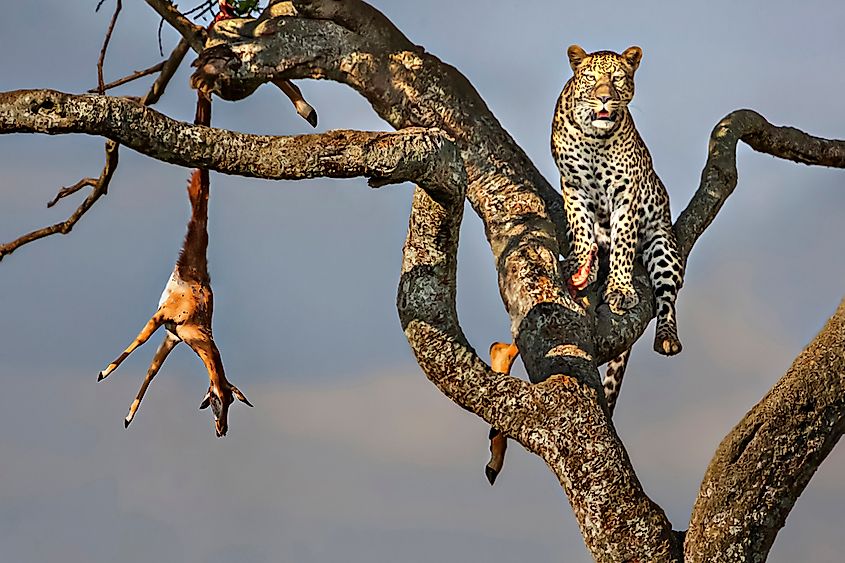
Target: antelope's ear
x,y
576,54
205,401
241,397
633,55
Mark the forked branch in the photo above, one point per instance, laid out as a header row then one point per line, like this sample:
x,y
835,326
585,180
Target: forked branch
x,y
549,331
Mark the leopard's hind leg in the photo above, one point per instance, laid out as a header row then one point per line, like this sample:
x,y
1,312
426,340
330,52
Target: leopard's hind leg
x,y
666,271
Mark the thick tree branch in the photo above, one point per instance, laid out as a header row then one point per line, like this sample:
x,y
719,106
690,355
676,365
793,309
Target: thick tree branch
x,y
523,220
358,17
336,154
766,461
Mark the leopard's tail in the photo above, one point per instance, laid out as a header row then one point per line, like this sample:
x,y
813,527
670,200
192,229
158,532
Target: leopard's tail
x,y
613,378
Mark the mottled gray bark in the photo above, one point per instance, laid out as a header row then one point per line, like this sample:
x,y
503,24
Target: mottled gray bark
x,y
562,418
384,157
764,463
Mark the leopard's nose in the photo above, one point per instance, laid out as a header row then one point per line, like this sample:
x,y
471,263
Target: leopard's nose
x,y
604,99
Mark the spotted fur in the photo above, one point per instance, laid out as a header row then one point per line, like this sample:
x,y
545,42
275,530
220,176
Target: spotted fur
x,y
615,202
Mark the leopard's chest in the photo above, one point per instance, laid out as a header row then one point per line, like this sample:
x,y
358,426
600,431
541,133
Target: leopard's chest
x,y
601,173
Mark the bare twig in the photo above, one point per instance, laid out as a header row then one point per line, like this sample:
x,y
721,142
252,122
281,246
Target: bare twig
x,y
100,185
194,34
64,192
101,85
171,65
201,9
127,79
100,188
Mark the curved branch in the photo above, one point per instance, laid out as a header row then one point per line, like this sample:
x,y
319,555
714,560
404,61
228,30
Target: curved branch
x,y
562,419
559,419
766,461
718,179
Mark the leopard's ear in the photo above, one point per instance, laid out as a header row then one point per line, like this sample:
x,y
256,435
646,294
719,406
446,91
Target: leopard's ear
x,y
633,55
576,54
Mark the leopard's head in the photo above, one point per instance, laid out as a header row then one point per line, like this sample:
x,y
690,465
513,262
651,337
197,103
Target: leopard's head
x,y
603,85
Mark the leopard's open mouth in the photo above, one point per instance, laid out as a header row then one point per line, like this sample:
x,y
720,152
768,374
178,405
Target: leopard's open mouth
x,y
604,115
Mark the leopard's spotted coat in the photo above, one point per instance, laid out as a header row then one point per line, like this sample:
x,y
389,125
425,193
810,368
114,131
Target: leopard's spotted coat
x,y
614,200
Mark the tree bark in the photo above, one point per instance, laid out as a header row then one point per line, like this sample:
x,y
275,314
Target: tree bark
x,y
766,461
410,154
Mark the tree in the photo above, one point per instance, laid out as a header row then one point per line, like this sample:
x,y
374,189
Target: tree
x,y
455,149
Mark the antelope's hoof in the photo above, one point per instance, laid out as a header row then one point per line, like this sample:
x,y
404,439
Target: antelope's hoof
x,y
491,474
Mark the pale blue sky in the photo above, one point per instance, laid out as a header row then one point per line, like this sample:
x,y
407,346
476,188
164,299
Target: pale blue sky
x,y
350,454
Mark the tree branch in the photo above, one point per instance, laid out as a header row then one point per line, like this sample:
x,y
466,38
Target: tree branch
x,y
561,418
99,187
336,154
192,33
766,461
101,84
718,179
523,217
129,78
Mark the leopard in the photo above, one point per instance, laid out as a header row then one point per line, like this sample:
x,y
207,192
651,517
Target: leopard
x,y
616,205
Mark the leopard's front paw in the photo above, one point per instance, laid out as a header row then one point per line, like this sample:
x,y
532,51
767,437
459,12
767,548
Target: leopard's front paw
x,y
620,298
581,269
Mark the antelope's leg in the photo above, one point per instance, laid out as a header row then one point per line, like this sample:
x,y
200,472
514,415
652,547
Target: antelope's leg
x,y
502,357
303,108
148,330
170,341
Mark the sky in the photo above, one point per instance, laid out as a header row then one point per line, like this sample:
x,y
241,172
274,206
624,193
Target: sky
x,y
350,453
